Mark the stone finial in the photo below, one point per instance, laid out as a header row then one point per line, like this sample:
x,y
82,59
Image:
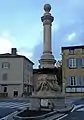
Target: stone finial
x,y
47,7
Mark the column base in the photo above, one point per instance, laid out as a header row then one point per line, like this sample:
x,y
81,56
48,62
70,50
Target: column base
x,y
47,61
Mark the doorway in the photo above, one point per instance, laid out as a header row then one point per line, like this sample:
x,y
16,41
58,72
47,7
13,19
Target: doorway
x,y
15,94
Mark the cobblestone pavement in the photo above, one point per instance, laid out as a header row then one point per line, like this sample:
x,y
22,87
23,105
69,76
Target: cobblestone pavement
x,y
9,107
77,112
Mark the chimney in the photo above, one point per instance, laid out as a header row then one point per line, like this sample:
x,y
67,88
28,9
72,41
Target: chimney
x,y
13,51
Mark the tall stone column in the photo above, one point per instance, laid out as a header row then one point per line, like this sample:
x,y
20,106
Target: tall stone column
x,y
47,59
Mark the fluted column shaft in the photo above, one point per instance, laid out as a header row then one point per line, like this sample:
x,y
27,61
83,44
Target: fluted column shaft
x,y
47,20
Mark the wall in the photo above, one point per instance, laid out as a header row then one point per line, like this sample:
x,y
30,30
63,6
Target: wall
x,y
79,71
28,75
12,88
15,74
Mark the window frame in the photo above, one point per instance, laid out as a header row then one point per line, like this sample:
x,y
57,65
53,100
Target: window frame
x,y
4,89
6,65
71,51
72,63
73,80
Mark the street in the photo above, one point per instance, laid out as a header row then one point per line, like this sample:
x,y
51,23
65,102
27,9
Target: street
x,y
9,106
77,113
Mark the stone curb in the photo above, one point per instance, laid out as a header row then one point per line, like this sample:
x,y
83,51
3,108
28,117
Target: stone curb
x,y
34,118
65,110
44,116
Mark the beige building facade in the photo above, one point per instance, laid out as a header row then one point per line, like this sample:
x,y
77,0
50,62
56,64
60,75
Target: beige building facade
x,y
16,74
73,70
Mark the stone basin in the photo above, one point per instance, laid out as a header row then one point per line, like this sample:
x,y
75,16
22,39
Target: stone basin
x,y
33,114
42,113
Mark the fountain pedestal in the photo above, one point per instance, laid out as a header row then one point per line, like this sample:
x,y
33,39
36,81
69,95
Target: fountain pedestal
x,y
48,92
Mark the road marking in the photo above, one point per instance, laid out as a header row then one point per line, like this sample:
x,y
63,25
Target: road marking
x,y
17,105
73,108
9,115
81,109
14,105
62,117
77,106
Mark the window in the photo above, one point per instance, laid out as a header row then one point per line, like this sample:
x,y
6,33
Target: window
x,y
75,84
5,89
79,90
73,80
82,89
72,63
83,50
29,67
71,51
5,76
5,65
71,89
75,89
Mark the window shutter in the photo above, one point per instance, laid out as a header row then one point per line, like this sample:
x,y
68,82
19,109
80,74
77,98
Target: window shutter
x,y
77,80
68,80
82,80
80,62
77,62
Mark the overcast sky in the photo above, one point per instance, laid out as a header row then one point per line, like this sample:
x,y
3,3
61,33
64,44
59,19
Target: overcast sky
x,y
21,26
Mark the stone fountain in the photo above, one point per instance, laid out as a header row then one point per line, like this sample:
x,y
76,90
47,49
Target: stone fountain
x,y
47,96
48,93
48,90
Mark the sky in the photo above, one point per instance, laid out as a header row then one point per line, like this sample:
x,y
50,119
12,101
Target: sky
x,y
21,26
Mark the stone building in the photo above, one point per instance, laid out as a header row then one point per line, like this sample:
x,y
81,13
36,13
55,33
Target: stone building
x,y
73,69
16,74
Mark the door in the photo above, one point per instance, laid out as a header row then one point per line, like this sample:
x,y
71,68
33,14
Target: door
x,y
15,94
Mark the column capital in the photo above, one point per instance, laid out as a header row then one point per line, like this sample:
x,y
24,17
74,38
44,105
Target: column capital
x,y
47,19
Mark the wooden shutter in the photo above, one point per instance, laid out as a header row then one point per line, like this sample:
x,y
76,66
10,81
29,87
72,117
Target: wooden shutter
x,y
68,81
